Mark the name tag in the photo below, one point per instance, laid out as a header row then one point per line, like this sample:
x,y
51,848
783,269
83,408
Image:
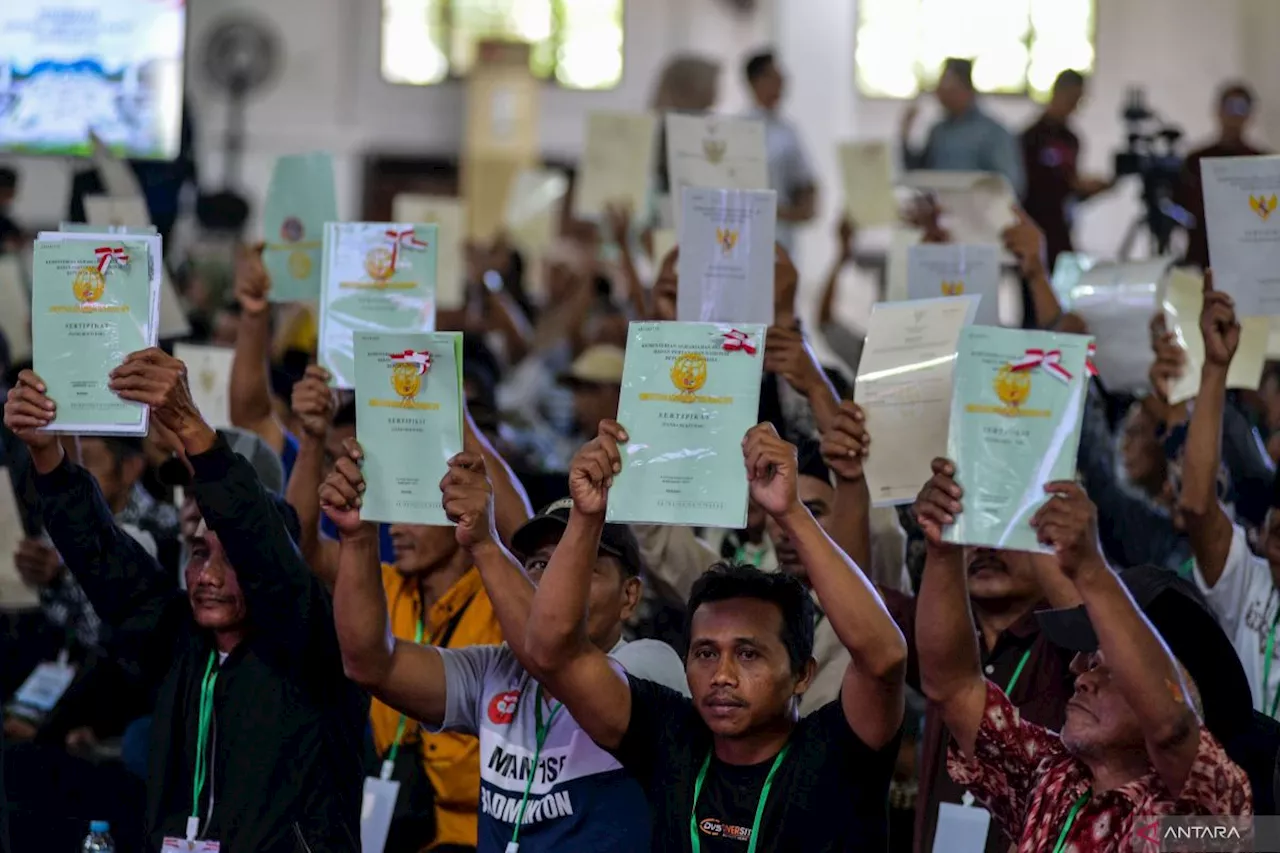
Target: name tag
x,y
182,845
45,686
961,829
376,811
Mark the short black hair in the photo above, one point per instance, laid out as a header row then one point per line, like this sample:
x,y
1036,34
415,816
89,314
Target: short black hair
x,y
1070,77
8,178
809,462
961,69
757,64
1236,89
728,580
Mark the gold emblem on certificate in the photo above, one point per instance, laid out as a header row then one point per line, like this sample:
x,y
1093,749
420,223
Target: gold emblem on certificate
x,y
1263,206
726,239
714,150
689,374
407,370
953,288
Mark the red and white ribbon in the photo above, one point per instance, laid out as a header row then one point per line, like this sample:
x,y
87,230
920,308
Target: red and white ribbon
x,y
422,359
1088,360
106,255
402,238
1051,361
735,341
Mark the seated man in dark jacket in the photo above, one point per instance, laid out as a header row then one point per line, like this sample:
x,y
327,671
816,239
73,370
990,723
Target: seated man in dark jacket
x,y
256,734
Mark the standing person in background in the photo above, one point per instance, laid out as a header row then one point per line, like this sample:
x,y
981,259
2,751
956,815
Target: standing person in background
x,y
966,139
1235,108
1051,153
789,171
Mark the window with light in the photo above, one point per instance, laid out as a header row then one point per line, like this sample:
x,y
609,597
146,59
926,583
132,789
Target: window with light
x,y
576,44
1017,46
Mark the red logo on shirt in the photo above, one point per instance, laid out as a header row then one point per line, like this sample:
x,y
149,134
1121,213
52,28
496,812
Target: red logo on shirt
x,y
502,708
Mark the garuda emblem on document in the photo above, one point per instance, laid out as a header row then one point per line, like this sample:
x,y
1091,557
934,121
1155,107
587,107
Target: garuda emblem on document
x,y
407,370
1263,205
953,288
714,150
726,239
689,373
1013,386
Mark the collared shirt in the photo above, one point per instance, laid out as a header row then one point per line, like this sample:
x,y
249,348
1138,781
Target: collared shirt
x,y
462,617
789,168
971,142
1042,690
1024,775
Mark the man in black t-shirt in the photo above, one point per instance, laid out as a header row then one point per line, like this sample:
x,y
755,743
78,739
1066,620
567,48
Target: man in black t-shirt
x,y
735,765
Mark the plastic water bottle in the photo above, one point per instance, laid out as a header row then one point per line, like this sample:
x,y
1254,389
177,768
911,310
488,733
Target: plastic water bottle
x,y
99,838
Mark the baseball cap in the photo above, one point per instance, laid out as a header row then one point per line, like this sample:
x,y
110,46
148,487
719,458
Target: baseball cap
x,y
266,464
600,364
1176,609
617,540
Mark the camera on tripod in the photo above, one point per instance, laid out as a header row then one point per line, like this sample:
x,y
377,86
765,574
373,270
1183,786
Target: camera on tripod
x,y
1153,156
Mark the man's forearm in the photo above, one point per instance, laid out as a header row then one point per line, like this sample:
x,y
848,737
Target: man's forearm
x,y
855,610
249,392
1199,494
558,617
360,609
511,506
945,640
853,521
303,494
509,589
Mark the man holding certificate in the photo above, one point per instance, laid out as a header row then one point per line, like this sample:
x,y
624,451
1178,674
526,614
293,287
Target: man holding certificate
x,y
735,758
251,691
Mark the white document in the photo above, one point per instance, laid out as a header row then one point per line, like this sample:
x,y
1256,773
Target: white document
x,y
15,308
714,152
450,217
209,375
1243,226
976,207
1067,271
532,216
117,176
950,269
867,169
617,163
901,239
131,212
376,811
726,258
904,389
15,594
961,829
1183,300
1117,301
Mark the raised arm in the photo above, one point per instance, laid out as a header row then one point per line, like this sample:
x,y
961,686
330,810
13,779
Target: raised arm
x,y
618,218
404,675
561,654
1025,241
1139,662
872,691
1209,526
249,395
128,589
511,508
950,668
844,255
844,446
313,403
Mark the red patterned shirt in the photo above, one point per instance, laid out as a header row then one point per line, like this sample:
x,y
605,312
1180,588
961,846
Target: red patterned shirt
x,y
1022,773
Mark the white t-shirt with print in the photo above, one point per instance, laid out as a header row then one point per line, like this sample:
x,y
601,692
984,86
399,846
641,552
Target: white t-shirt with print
x,y
1245,600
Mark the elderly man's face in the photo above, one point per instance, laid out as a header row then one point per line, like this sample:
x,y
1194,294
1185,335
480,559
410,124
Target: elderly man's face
x,y
212,586
1099,720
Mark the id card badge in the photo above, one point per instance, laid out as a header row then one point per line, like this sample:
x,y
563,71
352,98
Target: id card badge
x,y
377,809
183,845
46,684
961,829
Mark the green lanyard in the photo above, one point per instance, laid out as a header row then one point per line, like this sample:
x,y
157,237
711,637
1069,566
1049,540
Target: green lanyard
x,y
764,797
539,738
740,556
205,723
1008,690
1071,819
1266,670
390,763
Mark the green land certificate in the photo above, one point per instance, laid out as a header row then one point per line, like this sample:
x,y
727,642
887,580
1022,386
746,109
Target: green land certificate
x,y
1016,406
690,392
375,277
300,200
92,303
408,421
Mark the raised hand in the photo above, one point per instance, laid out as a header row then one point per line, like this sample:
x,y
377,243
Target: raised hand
x,y
1170,359
252,282
1025,241
789,355
340,493
1068,523
938,503
618,218
592,470
1218,325
37,562
313,402
846,444
846,231
27,409
786,281
468,500
771,470
157,379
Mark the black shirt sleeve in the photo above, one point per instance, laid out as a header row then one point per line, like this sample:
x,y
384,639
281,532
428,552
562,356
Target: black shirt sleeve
x,y
662,723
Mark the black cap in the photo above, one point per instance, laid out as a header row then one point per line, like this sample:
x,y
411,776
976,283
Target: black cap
x,y
616,540
1177,610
